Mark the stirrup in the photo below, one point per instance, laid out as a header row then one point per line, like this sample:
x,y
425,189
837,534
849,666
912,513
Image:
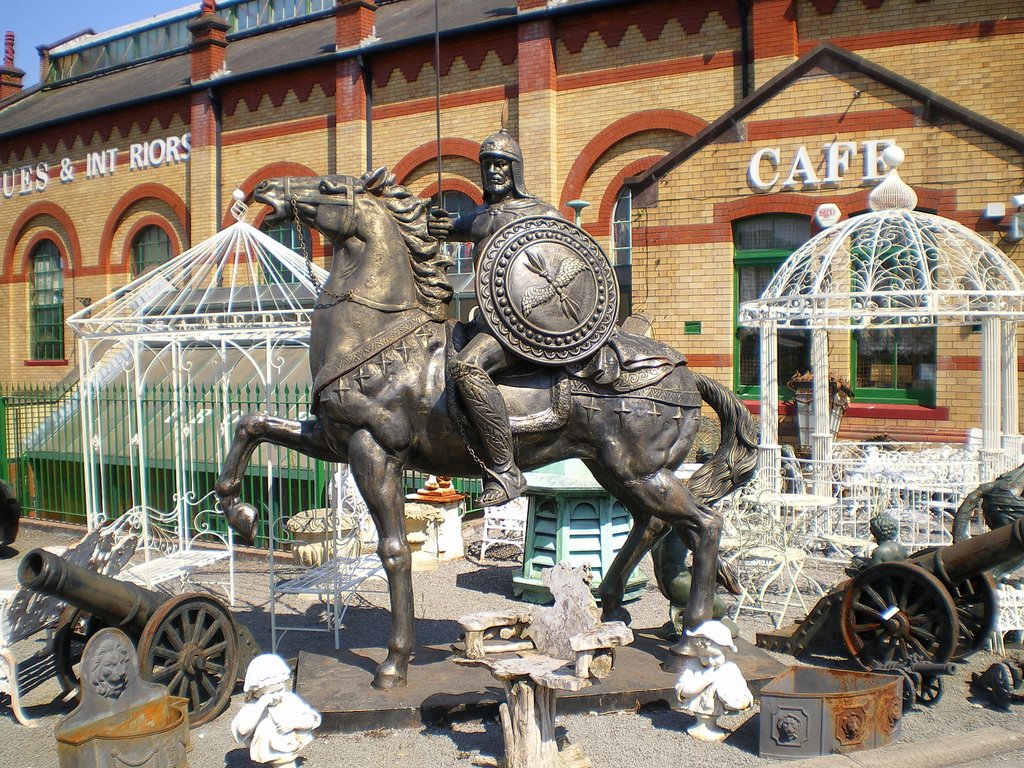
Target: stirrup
x,y
501,487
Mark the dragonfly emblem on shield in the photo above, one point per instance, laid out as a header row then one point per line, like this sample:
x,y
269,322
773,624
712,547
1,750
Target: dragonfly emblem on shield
x,y
537,296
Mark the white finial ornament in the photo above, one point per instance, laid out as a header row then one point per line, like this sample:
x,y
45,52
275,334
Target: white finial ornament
x,y
893,192
238,207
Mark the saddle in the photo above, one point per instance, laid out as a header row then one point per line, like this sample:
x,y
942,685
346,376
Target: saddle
x,y
539,398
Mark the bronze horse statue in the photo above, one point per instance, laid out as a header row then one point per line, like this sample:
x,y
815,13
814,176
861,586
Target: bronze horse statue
x,y
382,404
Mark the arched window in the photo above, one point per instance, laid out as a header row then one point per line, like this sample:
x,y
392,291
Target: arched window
x,y
46,303
461,272
762,244
286,234
622,250
151,247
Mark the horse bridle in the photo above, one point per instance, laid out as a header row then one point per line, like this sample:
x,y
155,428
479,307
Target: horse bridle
x,y
345,198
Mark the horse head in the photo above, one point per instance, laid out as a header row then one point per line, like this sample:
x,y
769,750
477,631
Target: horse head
x,y
366,217
324,203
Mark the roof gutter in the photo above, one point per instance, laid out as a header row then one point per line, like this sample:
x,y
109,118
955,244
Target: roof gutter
x,y
368,49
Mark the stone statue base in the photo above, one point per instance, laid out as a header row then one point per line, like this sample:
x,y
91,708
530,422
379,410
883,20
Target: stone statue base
x,y
434,529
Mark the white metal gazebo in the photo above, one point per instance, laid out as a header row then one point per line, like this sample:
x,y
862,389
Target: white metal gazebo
x,y
163,359
893,267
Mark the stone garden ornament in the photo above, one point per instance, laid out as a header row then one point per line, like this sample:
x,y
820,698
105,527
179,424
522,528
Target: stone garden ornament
x,y
274,722
710,686
387,366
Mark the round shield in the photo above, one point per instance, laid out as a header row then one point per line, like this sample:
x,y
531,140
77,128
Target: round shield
x,y
547,290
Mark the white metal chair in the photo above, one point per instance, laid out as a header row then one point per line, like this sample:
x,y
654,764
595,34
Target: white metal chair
x,y
1011,613
353,568
505,524
768,564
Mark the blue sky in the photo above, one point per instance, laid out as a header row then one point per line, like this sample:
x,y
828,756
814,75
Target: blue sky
x,y
46,22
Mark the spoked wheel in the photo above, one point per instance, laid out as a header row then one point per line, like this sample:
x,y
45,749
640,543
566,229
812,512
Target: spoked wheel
x,y
897,612
190,646
75,627
977,610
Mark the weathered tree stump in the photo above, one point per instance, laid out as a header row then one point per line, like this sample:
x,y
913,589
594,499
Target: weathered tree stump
x,y
573,647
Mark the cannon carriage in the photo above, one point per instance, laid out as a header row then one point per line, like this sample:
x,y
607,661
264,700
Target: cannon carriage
x,y
938,605
188,642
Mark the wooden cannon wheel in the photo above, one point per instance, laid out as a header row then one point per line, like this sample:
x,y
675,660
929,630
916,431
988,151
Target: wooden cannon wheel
x,y
977,609
190,645
74,629
898,612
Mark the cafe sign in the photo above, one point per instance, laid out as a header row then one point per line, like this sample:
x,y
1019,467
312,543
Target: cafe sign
x,y
775,168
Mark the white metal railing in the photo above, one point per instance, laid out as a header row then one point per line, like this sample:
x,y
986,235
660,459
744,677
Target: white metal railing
x,y
920,484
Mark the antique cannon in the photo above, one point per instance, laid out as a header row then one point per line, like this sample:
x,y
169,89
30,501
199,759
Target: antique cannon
x,y
188,642
938,605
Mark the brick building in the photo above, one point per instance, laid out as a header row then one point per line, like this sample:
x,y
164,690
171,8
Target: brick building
x,y
703,134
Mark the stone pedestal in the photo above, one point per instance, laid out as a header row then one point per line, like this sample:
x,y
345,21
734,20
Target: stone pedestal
x,y
433,520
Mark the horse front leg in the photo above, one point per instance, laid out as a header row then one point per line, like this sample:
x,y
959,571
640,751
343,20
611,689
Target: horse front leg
x,y
378,474
253,429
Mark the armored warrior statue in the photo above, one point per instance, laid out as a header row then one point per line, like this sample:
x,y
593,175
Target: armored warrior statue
x,y
506,199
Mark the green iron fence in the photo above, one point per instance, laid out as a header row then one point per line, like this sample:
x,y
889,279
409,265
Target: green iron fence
x,y
154,448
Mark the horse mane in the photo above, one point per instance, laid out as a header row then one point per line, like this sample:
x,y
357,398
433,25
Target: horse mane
x,y
429,262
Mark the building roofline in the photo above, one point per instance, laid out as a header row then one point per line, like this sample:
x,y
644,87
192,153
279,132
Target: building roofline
x,y
367,49
834,60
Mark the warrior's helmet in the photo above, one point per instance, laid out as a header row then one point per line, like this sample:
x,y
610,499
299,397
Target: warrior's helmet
x,y
501,144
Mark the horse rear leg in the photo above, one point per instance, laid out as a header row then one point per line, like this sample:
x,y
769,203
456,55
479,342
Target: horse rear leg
x,y
253,429
645,531
378,475
665,496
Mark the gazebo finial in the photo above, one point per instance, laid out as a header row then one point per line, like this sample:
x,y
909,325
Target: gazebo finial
x,y
893,192
238,207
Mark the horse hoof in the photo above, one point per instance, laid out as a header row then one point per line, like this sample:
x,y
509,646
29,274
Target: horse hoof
x,y
386,681
617,614
243,519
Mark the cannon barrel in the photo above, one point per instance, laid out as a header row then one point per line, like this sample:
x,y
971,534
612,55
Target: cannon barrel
x,y
966,559
116,602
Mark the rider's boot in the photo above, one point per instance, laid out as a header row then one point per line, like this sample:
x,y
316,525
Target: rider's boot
x,y
486,409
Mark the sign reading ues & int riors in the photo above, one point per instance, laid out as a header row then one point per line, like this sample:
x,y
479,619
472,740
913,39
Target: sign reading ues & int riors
x,y
140,156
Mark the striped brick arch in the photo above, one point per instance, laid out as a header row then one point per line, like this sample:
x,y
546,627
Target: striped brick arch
x,y
683,123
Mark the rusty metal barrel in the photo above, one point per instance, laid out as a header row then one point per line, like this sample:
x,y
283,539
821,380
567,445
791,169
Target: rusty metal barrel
x,y
965,559
116,602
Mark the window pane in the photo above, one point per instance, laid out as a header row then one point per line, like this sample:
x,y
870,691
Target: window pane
x,y
896,358
46,300
762,233
286,234
771,239
150,248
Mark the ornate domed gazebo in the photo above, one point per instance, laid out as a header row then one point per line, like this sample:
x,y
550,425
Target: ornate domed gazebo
x,y
893,268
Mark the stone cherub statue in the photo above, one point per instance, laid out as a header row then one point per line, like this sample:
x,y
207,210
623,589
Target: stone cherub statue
x,y
274,722
709,686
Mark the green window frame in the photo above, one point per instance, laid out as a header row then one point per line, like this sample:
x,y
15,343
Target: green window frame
x,y
150,248
622,249
462,269
286,234
894,365
46,303
761,245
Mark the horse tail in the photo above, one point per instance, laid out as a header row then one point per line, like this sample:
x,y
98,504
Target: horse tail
x,y
736,458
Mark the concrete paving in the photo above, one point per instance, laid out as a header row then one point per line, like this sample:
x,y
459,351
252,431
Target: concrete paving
x,y
954,732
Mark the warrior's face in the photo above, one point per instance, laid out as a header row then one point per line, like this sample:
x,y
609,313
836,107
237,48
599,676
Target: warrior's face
x,y
497,172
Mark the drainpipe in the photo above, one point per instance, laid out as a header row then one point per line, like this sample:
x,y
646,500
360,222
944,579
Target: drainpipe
x,y
218,114
367,74
745,52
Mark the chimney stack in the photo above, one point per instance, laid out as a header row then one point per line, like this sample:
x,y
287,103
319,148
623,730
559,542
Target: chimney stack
x,y
10,75
209,41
